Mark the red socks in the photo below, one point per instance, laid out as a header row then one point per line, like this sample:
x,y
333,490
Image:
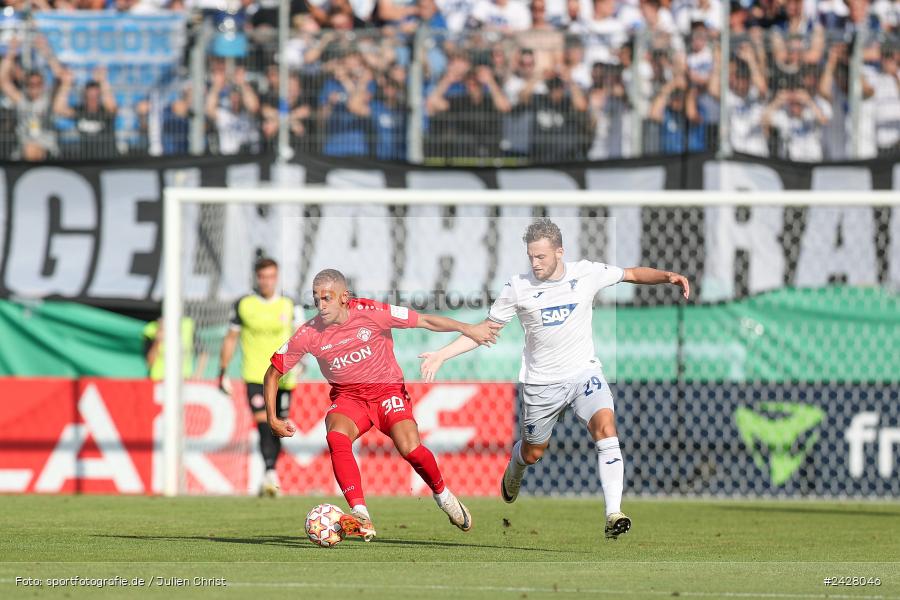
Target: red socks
x,y
346,471
422,460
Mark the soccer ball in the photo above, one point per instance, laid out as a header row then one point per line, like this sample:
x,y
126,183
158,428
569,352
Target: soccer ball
x,y
323,525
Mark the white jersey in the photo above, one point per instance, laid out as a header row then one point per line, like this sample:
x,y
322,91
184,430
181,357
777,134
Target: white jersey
x,y
556,316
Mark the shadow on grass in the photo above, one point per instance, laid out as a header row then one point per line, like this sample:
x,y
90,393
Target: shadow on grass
x,y
809,510
305,544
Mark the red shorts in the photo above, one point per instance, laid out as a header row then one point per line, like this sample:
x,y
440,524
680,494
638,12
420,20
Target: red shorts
x,y
388,406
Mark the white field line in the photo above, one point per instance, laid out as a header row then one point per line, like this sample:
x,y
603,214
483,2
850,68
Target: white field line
x,y
537,590
551,590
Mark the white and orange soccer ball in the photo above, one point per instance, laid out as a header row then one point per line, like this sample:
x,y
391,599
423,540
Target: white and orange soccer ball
x,y
323,525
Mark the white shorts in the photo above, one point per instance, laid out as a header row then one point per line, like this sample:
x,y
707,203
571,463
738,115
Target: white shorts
x,y
542,405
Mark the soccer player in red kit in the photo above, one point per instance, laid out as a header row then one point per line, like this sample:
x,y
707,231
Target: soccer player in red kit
x,y
351,340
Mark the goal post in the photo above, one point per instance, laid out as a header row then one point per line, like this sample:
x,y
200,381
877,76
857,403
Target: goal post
x,y
685,205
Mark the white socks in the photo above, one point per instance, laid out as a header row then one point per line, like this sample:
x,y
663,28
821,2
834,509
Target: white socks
x,y
517,464
442,498
361,508
612,473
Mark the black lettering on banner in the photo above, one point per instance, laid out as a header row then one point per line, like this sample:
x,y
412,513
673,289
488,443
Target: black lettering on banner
x,y
93,233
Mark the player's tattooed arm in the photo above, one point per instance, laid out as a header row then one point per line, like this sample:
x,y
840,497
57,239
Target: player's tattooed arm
x,y
432,361
280,427
651,276
479,333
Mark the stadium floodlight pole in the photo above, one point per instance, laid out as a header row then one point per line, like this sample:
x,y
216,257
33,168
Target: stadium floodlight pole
x,y
724,63
284,108
172,309
856,74
414,140
635,95
28,38
197,139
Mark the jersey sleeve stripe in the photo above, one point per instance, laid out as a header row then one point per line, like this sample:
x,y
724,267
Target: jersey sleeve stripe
x,y
277,361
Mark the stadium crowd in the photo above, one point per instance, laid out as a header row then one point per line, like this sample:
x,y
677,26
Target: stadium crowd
x,y
545,81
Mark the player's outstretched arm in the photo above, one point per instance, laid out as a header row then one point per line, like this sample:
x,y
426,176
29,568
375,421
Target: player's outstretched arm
x,y
281,428
432,361
480,333
651,276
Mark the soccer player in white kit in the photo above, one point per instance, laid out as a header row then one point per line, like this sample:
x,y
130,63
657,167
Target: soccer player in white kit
x,y
554,304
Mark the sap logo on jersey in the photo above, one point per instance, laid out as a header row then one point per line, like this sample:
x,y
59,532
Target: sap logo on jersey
x,y
556,315
351,358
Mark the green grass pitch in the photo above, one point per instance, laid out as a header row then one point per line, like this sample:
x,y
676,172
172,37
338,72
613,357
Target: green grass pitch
x,y
535,548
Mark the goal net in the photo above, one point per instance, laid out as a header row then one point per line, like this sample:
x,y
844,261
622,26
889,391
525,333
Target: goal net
x,y
778,377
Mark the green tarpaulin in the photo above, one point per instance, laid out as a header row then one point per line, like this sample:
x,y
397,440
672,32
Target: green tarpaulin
x,y
831,334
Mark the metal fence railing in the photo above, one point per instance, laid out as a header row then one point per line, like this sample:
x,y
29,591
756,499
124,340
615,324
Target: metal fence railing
x,y
95,85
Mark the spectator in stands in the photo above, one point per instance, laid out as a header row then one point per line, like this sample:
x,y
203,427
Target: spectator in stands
x,y
700,57
574,60
32,103
739,18
94,117
398,12
843,21
766,14
575,18
386,112
639,92
522,84
539,20
457,13
888,13
834,88
702,112
886,82
660,24
301,125
798,121
560,128
606,33
839,17
800,25
501,15
708,12
467,124
744,101
524,80
788,57
341,14
176,124
701,108
431,16
679,127
610,113
266,12
629,13
233,108
344,132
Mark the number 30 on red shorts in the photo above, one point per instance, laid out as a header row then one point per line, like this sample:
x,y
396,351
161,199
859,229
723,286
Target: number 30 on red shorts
x,y
383,411
393,409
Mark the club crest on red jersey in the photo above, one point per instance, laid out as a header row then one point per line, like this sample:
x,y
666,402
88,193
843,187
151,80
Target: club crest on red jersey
x,y
364,334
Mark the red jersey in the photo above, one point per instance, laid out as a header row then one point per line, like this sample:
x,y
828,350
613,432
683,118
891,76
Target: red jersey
x,y
357,356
